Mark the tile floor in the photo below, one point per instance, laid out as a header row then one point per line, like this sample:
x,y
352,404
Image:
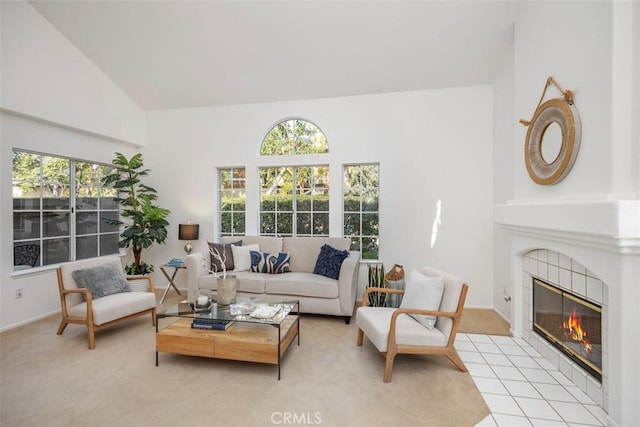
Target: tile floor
x,y
522,388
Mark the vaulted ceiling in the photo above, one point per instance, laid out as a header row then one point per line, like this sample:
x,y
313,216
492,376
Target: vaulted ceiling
x,y
179,54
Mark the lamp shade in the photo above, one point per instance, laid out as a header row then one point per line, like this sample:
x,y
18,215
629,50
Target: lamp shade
x,y
188,231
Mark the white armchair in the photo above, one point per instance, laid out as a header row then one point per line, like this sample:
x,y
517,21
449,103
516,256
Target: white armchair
x,y
111,303
393,331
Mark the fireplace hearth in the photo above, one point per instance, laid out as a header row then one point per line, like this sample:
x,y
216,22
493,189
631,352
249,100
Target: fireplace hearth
x,y
570,323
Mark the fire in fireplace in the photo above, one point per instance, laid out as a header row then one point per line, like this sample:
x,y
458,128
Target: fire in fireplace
x,y
570,323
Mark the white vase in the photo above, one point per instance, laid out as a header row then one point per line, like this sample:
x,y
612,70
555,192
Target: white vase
x,y
227,290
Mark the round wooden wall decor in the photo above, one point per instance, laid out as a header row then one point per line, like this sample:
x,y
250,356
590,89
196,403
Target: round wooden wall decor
x,y
550,166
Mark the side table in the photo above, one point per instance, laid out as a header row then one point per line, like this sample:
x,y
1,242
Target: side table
x,y
170,278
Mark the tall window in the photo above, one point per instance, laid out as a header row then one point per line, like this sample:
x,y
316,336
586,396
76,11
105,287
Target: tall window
x,y
360,209
231,199
58,206
294,201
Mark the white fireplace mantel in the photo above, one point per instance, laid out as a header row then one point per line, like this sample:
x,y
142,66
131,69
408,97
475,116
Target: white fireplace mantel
x,y
604,236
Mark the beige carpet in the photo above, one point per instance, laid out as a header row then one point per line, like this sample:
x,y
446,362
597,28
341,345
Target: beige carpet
x,y
54,380
483,321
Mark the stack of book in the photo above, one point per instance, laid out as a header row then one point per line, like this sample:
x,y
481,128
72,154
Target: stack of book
x,y
210,324
175,262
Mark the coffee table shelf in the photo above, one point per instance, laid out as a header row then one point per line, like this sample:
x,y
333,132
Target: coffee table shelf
x,y
247,339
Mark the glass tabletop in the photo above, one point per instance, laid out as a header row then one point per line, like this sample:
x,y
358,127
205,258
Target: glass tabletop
x,y
252,310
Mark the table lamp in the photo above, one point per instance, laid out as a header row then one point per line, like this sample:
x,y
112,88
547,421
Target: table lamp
x,y
188,232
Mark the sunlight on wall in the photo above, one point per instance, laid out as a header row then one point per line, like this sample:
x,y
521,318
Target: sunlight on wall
x,y
436,222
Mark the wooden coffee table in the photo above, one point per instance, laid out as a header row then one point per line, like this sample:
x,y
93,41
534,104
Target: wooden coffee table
x,y
250,339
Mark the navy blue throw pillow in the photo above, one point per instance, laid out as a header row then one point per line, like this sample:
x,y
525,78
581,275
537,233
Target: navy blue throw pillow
x,y
329,261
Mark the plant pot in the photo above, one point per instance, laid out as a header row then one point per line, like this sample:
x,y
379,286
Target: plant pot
x,y
227,290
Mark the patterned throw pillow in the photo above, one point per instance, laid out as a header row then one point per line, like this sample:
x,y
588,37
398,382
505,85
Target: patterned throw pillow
x,y
329,261
225,253
270,263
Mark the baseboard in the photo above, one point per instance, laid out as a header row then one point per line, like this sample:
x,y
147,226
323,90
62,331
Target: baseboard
x,y
28,321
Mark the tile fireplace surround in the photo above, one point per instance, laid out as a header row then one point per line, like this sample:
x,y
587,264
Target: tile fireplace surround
x,y
592,249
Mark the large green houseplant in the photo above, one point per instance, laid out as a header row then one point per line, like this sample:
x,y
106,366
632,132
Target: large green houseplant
x,y
147,223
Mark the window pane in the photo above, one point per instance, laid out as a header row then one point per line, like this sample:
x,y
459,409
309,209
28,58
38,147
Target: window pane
x,y
26,254
26,225
108,228
369,248
55,224
321,224
108,203
267,223
238,223
86,223
352,224
109,244
226,224
55,251
285,223
86,203
87,247
303,224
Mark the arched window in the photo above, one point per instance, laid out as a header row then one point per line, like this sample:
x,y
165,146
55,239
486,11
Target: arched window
x,y
294,136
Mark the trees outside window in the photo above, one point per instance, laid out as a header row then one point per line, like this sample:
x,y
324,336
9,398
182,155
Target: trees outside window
x,y
231,201
360,209
294,201
58,204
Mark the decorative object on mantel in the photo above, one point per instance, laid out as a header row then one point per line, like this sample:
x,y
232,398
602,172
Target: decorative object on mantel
x,y
550,165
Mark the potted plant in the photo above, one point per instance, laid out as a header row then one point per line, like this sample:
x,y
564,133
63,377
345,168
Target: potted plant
x,y
147,223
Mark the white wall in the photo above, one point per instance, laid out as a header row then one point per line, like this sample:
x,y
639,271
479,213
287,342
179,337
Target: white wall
x,y
46,77
431,145
574,43
504,148
53,100
39,285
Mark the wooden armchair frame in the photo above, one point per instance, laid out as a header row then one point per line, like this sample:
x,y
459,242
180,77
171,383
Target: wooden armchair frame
x,y
88,319
394,349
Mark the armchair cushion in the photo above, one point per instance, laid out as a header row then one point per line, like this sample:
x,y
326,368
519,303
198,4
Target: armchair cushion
x,y
102,280
115,307
376,321
425,293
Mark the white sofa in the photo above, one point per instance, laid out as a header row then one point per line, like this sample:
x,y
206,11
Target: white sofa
x,y
317,294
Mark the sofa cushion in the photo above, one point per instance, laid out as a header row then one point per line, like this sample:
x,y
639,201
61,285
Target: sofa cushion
x,y
302,284
329,261
102,280
262,262
225,252
304,250
251,282
242,256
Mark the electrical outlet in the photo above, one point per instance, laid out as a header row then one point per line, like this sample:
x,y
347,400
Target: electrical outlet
x,y
18,293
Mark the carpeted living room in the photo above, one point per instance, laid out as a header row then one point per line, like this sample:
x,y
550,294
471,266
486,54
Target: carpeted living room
x,y
412,129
